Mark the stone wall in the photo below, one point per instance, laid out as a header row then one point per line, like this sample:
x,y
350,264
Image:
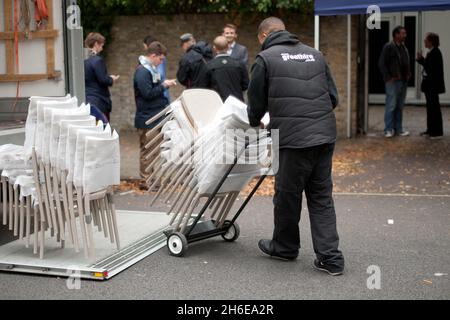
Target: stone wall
x,y
129,31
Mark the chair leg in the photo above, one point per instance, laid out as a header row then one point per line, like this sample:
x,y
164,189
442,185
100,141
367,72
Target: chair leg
x,y
103,217
114,219
189,211
65,209
105,207
21,217
38,183
28,220
109,219
1,194
186,204
223,208
42,238
11,202
71,208
90,232
227,210
39,232
36,213
16,211
50,197
5,201
46,205
95,216
57,200
216,208
82,220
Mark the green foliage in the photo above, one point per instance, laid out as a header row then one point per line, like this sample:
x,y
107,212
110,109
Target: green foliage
x,y
98,15
135,7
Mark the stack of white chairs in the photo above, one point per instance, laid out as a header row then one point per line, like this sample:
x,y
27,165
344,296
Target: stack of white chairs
x,y
201,137
17,194
58,177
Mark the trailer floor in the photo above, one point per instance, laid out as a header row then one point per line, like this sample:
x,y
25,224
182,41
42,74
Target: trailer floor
x,y
140,235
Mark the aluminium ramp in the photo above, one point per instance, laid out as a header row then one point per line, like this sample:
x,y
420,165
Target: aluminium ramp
x,y
141,235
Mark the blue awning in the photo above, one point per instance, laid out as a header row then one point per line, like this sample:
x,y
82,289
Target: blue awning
x,y
343,7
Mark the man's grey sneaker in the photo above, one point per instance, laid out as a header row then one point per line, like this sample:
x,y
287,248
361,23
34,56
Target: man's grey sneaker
x,y
436,137
424,134
331,270
388,134
266,246
404,134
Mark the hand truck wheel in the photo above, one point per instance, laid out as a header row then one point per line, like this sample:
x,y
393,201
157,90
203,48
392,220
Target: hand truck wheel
x,y
177,244
233,231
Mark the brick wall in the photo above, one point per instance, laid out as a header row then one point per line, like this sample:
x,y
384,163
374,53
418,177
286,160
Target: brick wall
x,y
129,31
333,44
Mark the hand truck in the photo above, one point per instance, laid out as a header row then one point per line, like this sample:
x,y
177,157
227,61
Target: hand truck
x,y
178,242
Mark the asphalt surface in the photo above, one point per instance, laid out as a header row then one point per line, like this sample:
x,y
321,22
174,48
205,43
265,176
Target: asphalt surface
x,y
376,180
412,254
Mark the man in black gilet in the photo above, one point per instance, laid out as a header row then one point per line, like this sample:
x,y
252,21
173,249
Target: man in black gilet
x,y
293,83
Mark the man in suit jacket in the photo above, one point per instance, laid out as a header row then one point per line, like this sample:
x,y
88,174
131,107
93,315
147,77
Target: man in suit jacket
x,y
235,50
225,75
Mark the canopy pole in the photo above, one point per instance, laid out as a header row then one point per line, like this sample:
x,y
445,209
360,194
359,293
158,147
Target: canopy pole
x,y
366,83
317,32
349,76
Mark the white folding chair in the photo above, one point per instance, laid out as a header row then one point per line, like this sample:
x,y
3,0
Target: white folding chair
x,y
201,106
85,220
41,148
72,134
31,122
102,171
62,171
11,158
50,158
30,208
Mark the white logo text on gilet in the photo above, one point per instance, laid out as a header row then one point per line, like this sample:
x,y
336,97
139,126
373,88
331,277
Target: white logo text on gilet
x,y
301,56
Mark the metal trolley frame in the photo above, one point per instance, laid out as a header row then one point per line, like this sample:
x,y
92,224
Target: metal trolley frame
x,y
178,242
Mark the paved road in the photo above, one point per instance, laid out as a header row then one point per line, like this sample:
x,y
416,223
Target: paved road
x,y
409,252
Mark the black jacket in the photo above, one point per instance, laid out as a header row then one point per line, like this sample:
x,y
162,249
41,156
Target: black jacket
x,y
433,75
227,76
192,65
149,96
394,62
294,84
97,83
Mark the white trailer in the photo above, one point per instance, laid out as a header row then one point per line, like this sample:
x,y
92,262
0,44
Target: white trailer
x,y
51,64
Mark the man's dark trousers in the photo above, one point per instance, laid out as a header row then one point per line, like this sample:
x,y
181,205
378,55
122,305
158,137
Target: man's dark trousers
x,y
306,170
